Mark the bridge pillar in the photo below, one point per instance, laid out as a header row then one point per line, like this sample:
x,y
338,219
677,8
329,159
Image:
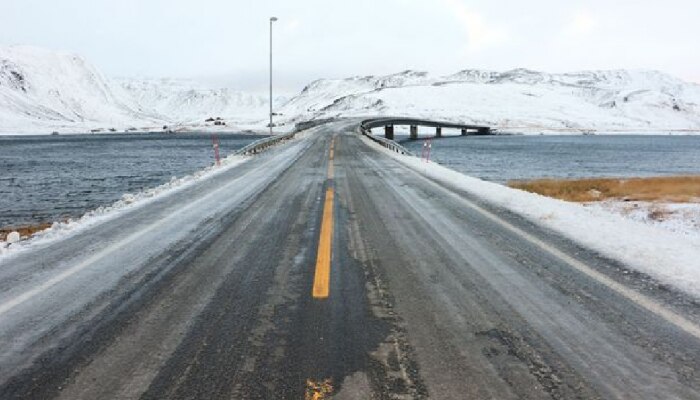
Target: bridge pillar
x,y
414,132
464,132
389,132
438,131
483,131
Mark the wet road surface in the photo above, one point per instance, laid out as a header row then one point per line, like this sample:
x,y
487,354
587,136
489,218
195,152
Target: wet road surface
x,y
325,269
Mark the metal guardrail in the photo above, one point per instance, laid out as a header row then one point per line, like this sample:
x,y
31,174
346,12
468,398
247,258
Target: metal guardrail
x,y
300,126
388,143
262,144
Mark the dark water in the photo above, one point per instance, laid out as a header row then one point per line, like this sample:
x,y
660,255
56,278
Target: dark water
x,y
43,179
502,158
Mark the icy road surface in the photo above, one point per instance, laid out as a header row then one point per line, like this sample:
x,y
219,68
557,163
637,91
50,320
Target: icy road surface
x,y
211,292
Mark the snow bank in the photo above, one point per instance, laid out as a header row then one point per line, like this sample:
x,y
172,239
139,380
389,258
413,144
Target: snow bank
x,y
129,201
669,257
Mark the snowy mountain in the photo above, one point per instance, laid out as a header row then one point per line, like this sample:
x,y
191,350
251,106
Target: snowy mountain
x,y
185,102
43,90
518,100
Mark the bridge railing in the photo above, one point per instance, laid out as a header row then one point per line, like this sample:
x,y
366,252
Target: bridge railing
x,y
389,144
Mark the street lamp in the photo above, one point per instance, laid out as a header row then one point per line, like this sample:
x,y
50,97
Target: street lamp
x,y
272,19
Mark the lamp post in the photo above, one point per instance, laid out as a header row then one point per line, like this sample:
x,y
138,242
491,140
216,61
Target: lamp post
x,y
272,19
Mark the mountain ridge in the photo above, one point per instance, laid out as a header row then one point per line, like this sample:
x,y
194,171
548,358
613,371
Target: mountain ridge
x,y
43,91
603,100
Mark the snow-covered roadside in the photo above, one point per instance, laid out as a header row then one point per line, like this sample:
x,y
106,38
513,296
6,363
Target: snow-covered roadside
x,y
680,218
669,257
129,201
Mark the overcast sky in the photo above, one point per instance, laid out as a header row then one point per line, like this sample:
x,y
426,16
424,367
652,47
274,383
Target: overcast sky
x,y
225,42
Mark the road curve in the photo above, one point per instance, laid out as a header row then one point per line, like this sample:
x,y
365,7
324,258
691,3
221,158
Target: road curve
x,y
324,268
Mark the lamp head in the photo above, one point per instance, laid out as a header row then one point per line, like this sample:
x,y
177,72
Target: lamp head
x,y
273,19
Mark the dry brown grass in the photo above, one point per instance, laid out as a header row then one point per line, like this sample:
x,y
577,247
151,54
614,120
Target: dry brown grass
x,y
679,189
26,230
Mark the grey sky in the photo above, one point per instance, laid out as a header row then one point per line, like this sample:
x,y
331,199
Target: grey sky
x,y
225,41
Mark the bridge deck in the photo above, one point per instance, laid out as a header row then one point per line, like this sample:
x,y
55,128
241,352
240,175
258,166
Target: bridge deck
x,y
389,122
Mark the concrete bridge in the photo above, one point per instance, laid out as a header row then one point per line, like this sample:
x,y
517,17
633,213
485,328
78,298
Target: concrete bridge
x,y
389,122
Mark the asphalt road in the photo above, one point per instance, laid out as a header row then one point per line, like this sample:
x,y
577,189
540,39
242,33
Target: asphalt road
x,y
324,268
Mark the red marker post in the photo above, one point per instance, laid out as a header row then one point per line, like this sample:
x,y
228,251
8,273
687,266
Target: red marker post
x,y
427,146
215,146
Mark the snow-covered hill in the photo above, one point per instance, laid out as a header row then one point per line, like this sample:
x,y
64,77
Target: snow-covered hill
x,y
42,90
518,100
185,102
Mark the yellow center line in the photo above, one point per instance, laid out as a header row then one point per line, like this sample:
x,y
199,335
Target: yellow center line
x,y
322,276
323,260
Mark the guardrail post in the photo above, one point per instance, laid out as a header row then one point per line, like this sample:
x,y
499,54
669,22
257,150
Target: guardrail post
x,y
438,131
389,132
414,132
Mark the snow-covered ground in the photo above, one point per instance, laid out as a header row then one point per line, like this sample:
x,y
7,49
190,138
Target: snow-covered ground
x,y
43,91
680,218
666,254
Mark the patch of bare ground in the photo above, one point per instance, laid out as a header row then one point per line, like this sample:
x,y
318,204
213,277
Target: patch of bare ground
x,y
667,189
24,231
